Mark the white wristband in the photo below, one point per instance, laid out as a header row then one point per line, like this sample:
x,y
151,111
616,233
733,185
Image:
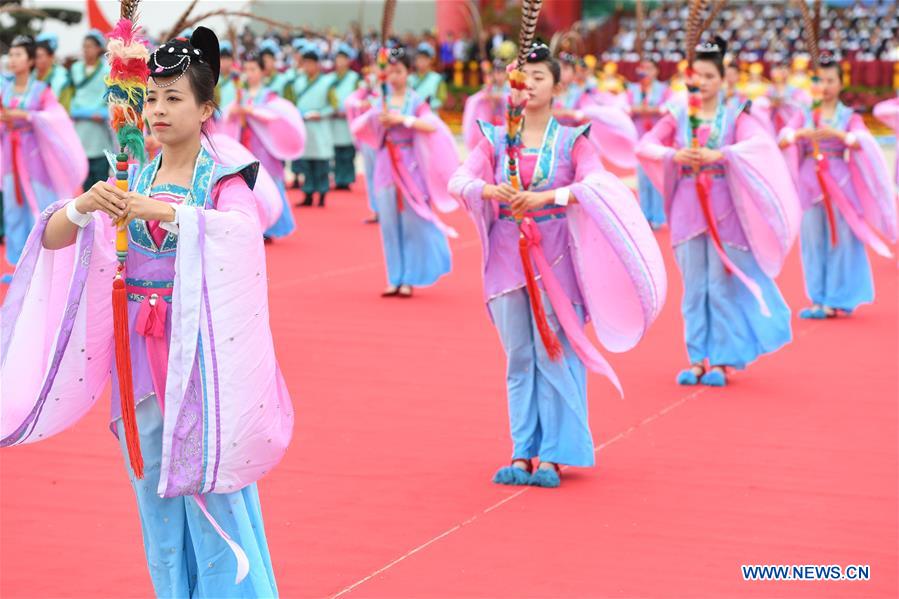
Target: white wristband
x,y
76,218
562,195
790,136
409,122
851,140
172,227
579,115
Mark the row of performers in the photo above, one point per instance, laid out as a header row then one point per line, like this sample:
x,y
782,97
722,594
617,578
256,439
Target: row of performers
x,y
570,246
316,143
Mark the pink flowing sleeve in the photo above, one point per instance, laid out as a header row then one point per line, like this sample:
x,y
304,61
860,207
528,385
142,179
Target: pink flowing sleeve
x,y
280,128
763,193
614,133
56,323
366,128
476,109
656,156
437,152
229,152
618,260
467,185
221,353
871,180
60,147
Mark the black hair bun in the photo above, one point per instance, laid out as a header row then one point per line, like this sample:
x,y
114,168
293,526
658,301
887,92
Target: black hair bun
x,y
22,41
538,52
173,58
205,40
716,48
827,60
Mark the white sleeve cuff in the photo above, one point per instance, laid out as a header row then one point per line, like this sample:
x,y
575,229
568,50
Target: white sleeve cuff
x,y
172,227
78,219
409,122
788,135
562,195
579,115
851,140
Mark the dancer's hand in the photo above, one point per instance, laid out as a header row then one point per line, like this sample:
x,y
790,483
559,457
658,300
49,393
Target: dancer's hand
x,y
8,116
140,206
390,119
709,156
688,157
530,200
501,193
312,116
104,197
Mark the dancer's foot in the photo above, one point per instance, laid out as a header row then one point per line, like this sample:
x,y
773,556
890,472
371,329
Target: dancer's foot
x,y
266,239
691,375
715,377
390,291
343,187
307,201
815,312
547,476
829,312
6,279
405,291
371,220
321,200
518,473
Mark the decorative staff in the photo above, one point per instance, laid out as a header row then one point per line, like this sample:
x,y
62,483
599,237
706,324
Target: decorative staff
x,y
694,103
126,88
530,11
810,31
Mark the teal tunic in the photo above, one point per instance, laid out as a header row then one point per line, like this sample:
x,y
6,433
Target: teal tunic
x,y
341,90
226,92
431,86
87,103
313,96
58,80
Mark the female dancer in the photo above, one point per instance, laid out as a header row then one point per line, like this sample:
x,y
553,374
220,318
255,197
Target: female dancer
x,y
42,158
213,414
647,99
596,258
848,202
733,214
271,128
416,157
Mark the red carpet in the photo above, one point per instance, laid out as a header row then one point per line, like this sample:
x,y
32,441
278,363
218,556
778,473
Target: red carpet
x,y
402,421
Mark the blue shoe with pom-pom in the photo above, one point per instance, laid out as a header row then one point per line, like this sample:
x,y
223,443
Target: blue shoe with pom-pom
x,y
714,378
513,475
687,377
812,314
6,279
547,478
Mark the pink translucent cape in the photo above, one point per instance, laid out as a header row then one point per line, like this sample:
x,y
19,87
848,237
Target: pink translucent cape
x,y
230,152
57,349
759,181
615,135
619,266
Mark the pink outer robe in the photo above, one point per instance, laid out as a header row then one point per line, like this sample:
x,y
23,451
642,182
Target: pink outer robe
x,y
222,379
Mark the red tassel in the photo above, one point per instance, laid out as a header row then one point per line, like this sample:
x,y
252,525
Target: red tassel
x,y
123,364
820,167
550,341
702,191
